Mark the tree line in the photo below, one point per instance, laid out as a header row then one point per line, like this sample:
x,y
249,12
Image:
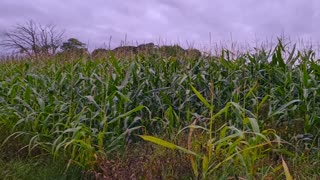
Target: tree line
x,y
33,40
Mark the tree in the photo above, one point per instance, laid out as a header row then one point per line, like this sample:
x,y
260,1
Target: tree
x,y
73,48
33,39
72,44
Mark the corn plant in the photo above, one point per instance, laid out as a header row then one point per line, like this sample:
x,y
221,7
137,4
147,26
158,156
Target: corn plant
x,y
227,145
84,109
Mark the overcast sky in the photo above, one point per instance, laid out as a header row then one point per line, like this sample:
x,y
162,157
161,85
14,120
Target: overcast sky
x,y
171,21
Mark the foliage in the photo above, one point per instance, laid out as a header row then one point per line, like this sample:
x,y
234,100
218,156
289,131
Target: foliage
x,y
72,44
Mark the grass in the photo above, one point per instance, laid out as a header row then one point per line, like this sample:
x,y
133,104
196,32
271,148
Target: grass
x,y
15,163
221,116
37,169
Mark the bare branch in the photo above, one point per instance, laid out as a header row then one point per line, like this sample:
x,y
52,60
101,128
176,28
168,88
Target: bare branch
x,y
33,40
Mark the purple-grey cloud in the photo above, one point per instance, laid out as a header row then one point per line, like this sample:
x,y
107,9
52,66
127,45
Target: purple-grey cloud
x,y
95,21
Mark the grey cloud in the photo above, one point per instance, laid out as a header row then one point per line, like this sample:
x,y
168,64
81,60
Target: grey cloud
x,y
171,21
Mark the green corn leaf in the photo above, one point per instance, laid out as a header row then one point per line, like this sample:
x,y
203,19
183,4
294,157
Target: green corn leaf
x,y
139,108
284,107
205,165
202,99
264,99
251,90
159,142
254,124
167,144
286,170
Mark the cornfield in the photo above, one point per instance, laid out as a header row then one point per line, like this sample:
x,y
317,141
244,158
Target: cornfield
x,y
246,107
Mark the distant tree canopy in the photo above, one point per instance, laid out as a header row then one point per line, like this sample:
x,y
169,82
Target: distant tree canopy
x,y
72,44
148,49
73,48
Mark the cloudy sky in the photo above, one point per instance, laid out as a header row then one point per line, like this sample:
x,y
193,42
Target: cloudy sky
x,y
169,21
